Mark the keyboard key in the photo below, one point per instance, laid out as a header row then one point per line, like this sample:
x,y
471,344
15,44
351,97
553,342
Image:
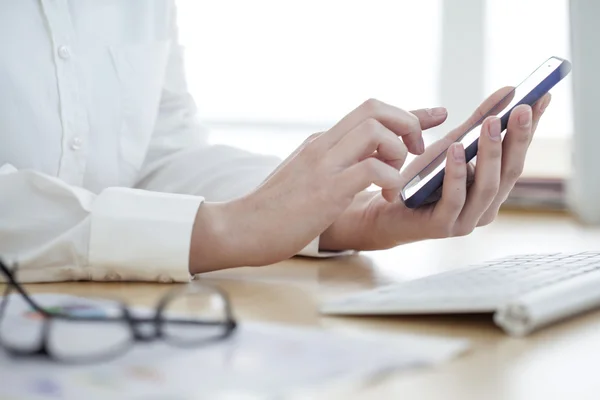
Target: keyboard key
x,y
480,286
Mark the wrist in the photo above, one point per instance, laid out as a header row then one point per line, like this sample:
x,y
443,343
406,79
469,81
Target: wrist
x,y
360,227
233,234
211,246
345,233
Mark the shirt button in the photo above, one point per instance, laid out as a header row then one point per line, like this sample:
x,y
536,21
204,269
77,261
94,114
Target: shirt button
x,y
76,143
64,52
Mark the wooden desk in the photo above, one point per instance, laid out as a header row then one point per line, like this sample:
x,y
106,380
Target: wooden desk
x,y
556,363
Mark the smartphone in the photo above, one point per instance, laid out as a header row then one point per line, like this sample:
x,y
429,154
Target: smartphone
x,y
421,189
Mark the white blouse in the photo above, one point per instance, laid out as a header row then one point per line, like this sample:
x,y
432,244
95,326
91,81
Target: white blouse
x,y
103,163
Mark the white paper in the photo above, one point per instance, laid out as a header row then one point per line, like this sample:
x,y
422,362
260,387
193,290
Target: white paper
x,y
258,360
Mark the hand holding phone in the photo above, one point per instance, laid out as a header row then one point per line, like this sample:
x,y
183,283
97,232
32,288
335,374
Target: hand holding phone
x,y
423,186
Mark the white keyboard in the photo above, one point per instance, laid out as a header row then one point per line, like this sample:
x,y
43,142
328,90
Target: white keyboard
x,y
524,291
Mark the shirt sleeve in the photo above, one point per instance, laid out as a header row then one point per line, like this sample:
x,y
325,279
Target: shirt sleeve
x,y
58,232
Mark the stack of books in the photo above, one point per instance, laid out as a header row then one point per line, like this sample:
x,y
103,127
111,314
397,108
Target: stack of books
x,y
537,194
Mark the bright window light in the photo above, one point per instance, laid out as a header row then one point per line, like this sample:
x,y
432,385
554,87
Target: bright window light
x,y
308,62
522,34
266,73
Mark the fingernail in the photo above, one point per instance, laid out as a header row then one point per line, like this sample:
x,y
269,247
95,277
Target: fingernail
x,y
525,118
421,146
458,152
437,111
494,129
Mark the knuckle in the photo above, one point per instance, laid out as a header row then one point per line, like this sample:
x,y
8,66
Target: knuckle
x,y
414,121
479,113
463,230
371,165
453,204
371,126
309,142
313,137
311,147
372,131
458,173
513,173
371,169
495,151
488,218
402,151
443,231
446,232
372,106
488,191
442,228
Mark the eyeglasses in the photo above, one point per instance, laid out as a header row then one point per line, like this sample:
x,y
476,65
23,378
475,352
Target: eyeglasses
x,y
89,330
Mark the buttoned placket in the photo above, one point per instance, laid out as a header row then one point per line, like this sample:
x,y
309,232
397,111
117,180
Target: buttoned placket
x,y
75,128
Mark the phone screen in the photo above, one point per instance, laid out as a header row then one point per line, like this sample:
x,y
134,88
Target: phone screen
x,y
532,88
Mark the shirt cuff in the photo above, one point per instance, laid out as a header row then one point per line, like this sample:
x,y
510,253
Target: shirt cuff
x,y
312,250
142,235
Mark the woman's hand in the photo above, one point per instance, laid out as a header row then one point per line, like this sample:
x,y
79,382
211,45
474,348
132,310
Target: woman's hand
x,y
371,223
311,188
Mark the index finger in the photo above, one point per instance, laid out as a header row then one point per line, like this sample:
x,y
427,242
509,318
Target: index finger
x,y
491,106
495,103
405,124
437,150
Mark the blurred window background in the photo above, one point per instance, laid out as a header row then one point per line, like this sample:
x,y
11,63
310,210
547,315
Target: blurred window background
x,y
265,74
